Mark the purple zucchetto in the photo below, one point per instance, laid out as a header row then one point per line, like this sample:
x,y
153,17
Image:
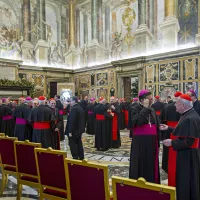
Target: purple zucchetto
x,y
28,99
143,92
4,100
135,99
193,92
92,99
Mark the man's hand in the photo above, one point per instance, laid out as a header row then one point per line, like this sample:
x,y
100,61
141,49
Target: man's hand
x,y
163,127
70,134
146,103
112,114
56,129
167,142
113,107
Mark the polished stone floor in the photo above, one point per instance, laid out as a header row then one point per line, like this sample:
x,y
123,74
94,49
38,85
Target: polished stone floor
x,y
116,159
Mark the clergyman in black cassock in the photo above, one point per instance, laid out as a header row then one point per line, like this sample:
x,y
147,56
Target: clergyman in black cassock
x,y
187,135
158,106
91,118
170,117
42,117
196,103
76,129
60,108
101,132
122,115
23,128
83,105
116,140
55,125
144,158
8,122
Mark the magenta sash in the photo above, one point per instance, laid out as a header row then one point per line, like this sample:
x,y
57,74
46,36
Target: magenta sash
x,y
8,117
21,121
145,129
61,112
90,112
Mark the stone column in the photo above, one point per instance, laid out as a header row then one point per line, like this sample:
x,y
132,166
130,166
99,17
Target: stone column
x,y
27,47
41,18
198,35
100,22
77,28
27,20
170,26
143,36
94,19
85,21
107,27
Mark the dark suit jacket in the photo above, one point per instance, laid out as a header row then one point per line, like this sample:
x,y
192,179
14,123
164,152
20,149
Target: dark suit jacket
x,y
76,120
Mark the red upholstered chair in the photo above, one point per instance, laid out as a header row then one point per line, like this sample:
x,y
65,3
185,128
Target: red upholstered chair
x,y
7,157
51,172
124,189
26,165
1,135
86,180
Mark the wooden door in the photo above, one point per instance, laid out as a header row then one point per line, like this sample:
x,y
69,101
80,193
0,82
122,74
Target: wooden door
x,y
53,89
127,88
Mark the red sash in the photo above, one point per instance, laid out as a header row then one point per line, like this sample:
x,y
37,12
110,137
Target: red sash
x,y
158,112
114,127
126,117
41,125
100,117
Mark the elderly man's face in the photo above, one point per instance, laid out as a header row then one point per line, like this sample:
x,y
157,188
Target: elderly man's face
x,y
52,104
179,106
112,100
193,97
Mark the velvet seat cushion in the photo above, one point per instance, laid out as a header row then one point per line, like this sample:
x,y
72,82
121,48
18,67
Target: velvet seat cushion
x,y
55,193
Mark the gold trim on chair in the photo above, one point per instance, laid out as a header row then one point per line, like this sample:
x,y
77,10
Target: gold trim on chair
x,y
141,183
20,181
42,194
87,164
2,134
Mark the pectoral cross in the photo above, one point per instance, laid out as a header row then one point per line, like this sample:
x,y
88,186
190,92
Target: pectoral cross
x,y
149,121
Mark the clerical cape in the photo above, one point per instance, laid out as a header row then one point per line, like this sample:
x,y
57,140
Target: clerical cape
x,y
23,128
42,117
185,143
144,158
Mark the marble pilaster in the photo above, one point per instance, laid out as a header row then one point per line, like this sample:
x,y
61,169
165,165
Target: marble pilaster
x,y
85,21
143,36
94,19
107,27
63,29
100,22
198,34
170,26
77,28
27,20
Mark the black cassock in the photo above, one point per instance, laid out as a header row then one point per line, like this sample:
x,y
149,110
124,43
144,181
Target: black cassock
x,y
144,158
101,132
116,140
91,119
23,128
130,127
158,106
76,128
8,122
42,118
196,106
56,124
122,116
167,115
83,105
188,156
59,106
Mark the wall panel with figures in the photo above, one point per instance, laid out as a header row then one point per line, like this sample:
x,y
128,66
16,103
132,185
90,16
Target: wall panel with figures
x,y
165,77
96,83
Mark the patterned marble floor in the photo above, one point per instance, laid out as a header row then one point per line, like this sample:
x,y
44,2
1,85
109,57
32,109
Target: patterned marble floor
x,y
116,159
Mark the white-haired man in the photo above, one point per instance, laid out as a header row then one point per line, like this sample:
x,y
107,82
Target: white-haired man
x,y
41,117
185,143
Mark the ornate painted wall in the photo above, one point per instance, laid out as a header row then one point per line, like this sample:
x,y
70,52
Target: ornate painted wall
x,y
96,83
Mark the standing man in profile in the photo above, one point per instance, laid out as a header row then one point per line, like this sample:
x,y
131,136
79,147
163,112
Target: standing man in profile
x,y
84,104
76,129
158,105
195,102
59,106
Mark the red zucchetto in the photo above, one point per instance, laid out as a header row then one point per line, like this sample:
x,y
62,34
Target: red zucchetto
x,y
185,97
177,94
41,98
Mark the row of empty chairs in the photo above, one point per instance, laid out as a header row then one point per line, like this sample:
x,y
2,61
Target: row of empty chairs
x,y
57,177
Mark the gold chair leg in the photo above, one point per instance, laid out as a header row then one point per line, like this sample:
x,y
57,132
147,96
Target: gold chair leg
x,y
6,179
19,191
3,183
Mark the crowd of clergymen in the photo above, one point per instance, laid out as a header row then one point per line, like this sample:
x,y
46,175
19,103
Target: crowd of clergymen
x,y
149,121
